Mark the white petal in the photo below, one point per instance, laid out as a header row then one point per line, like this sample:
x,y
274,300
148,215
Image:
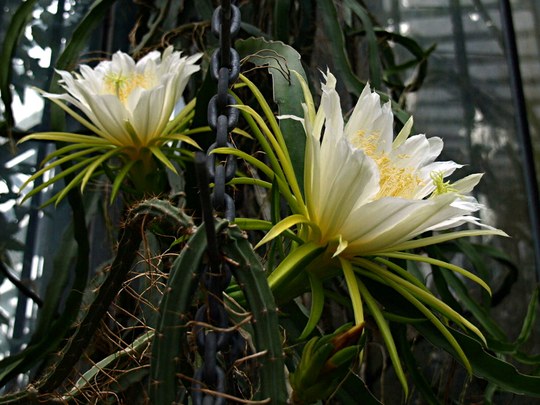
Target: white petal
x,y
110,116
344,179
370,119
467,184
417,151
147,122
389,221
330,103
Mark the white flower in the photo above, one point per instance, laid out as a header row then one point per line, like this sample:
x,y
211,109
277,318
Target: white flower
x,y
128,106
367,193
130,103
367,198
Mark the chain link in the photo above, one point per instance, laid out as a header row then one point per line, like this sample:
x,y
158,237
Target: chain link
x,y
217,348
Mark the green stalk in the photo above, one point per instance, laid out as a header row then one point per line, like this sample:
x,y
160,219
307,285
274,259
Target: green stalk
x,y
169,346
292,265
250,274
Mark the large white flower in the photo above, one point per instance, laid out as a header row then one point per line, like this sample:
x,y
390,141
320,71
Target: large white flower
x,y
130,102
368,192
367,199
128,107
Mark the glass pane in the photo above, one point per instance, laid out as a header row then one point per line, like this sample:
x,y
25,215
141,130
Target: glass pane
x,y
466,100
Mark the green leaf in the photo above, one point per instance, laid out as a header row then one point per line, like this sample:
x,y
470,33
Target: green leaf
x,y
443,237
354,391
354,291
375,74
444,291
510,278
156,151
281,59
285,224
67,137
477,260
119,178
66,172
441,263
413,293
485,365
94,165
421,57
529,321
59,162
294,265
338,50
280,22
251,181
477,311
283,166
247,157
252,224
13,33
386,335
413,368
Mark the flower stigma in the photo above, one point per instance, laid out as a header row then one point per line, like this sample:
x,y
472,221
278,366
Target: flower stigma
x,y
441,186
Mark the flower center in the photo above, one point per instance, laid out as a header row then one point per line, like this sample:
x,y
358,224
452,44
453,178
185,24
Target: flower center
x,y
122,85
395,181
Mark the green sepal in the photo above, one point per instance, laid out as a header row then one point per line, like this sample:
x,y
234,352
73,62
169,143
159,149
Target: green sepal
x,y
317,304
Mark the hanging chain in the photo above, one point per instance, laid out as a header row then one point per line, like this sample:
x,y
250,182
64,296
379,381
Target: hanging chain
x,y
215,345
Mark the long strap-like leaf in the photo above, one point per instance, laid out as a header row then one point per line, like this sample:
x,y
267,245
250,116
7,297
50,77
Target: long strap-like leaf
x,y
13,33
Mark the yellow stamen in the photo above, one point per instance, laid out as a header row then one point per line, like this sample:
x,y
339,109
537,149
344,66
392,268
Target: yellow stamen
x,y
122,85
394,181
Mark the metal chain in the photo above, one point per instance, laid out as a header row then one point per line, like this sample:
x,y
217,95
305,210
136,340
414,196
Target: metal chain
x,y
213,343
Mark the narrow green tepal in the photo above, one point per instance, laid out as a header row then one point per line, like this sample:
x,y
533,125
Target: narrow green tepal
x,y
281,60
